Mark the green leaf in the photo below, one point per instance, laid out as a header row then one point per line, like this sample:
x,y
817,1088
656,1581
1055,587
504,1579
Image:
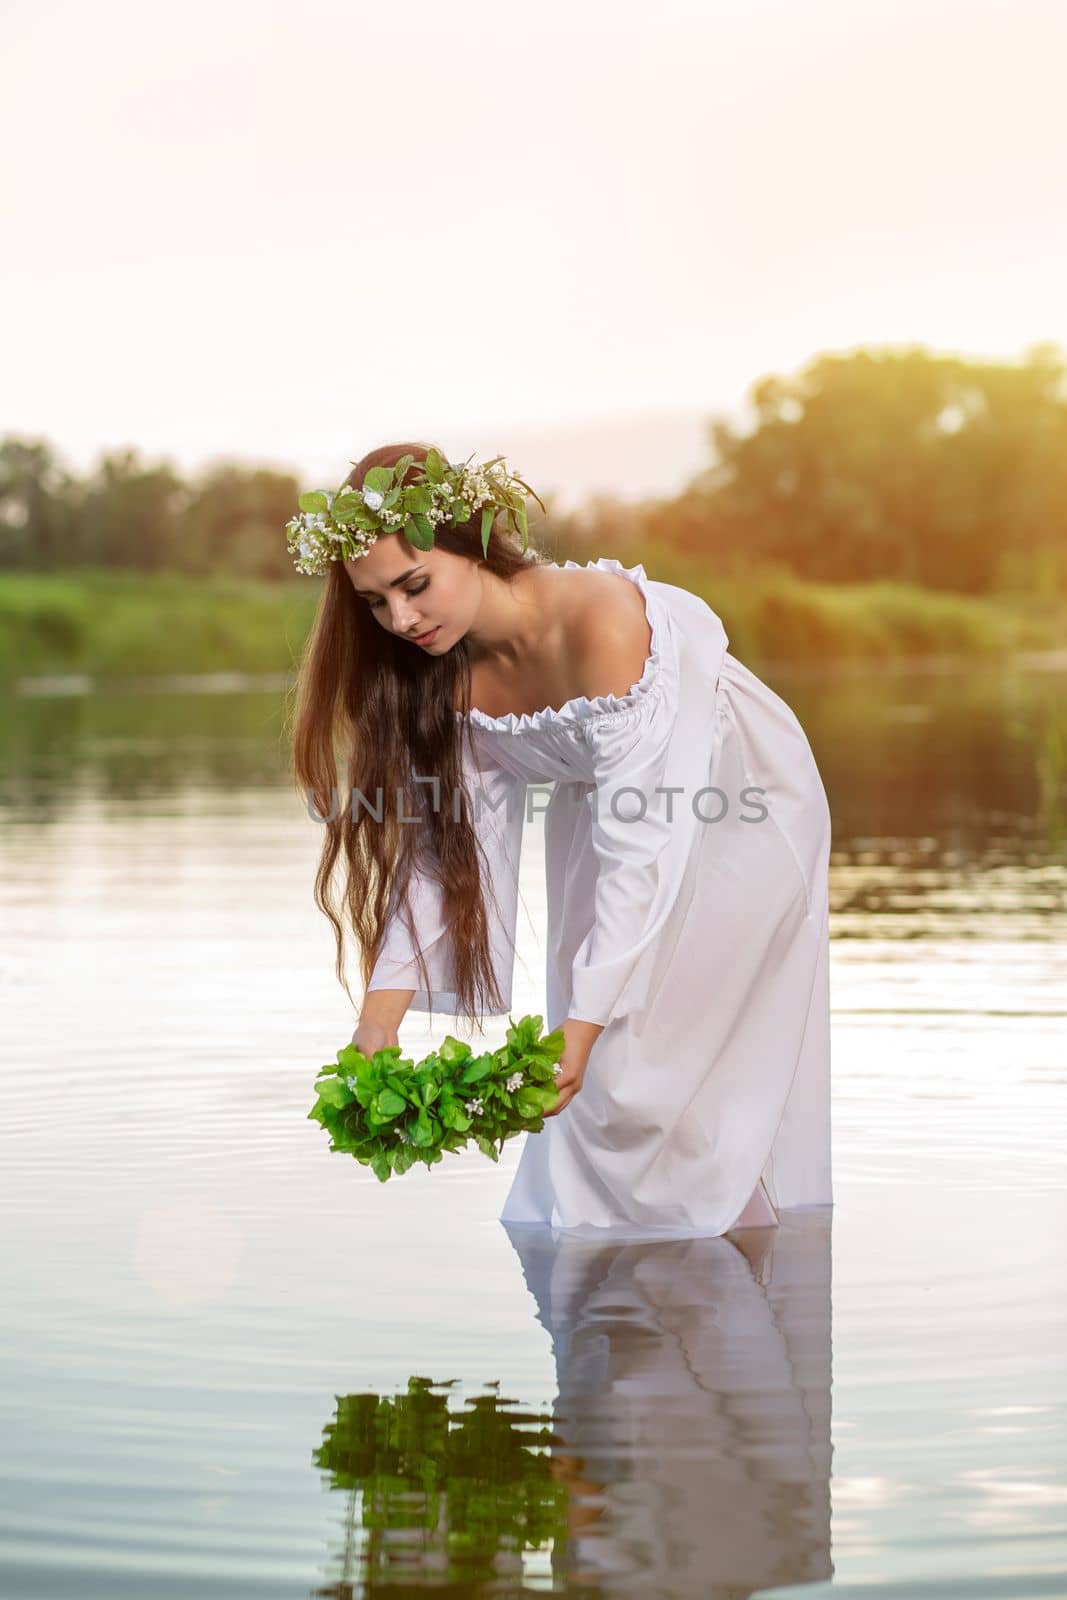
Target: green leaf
x,y
390,1104
488,517
430,1089
453,1051
389,1054
422,1132
539,1071
334,1092
523,1035
380,478
477,1069
418,497
453,1116
313,500
435,466
415,535
545,1098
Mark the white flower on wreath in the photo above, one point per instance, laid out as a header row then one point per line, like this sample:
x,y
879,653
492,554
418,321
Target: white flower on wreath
x,y
514,1082
476,1105
373,498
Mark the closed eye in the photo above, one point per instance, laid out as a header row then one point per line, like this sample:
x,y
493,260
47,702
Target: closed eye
x,y
425,584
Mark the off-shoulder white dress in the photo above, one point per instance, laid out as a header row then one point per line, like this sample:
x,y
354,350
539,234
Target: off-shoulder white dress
x,y
687,841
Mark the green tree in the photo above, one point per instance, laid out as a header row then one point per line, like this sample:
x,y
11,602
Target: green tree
x,y
132,515
934,469
235,522
37,505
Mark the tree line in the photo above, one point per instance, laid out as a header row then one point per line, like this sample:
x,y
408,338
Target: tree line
x,y
943,471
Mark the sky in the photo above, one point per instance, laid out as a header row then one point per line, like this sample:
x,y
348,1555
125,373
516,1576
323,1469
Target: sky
x,y
569,233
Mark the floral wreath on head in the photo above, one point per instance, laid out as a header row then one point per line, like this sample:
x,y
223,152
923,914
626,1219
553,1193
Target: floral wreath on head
x,y
344,524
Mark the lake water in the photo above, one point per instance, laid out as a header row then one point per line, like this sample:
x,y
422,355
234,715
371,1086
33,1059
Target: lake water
x,y
235,1364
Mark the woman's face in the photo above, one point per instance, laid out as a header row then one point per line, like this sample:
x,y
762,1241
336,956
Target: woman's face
x,y
411,591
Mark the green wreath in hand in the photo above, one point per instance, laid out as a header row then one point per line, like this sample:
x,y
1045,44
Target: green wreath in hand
x,y
389,1112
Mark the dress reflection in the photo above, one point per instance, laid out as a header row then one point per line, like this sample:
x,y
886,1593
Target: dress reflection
x,y
693,1406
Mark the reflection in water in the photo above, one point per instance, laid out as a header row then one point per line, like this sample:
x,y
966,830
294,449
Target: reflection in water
x,y
688,1451
947,793
438,1496
693,1414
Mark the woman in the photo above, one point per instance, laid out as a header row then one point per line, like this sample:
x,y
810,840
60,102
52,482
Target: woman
x,y
686,843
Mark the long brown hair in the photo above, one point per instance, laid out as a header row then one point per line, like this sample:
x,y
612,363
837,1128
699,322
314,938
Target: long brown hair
x,y
383,712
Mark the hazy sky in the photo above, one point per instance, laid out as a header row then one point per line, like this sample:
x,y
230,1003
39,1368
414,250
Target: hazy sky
x,y
295,231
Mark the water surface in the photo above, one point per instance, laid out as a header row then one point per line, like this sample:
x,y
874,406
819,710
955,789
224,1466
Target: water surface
x,y
233,1363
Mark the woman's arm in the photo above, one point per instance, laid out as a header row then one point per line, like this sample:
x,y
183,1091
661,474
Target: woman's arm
x,y
630,752
616,646
379,1021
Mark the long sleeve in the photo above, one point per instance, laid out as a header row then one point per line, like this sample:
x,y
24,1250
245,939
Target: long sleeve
x,y
649,764
499,813
665,749
629,753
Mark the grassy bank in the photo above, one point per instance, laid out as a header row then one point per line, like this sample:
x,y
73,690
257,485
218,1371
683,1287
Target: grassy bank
x,y
771,615
112,624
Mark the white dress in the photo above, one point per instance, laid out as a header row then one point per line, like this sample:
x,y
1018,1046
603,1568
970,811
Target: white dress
x,y
687,843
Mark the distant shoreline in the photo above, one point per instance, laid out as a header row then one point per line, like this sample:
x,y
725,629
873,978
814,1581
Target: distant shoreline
x,y
78,632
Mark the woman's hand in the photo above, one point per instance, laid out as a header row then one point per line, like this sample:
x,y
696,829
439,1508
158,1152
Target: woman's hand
x,y
371,1036
580,1038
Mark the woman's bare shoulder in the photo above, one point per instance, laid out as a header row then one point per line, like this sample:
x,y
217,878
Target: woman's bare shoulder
x,y
610,633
